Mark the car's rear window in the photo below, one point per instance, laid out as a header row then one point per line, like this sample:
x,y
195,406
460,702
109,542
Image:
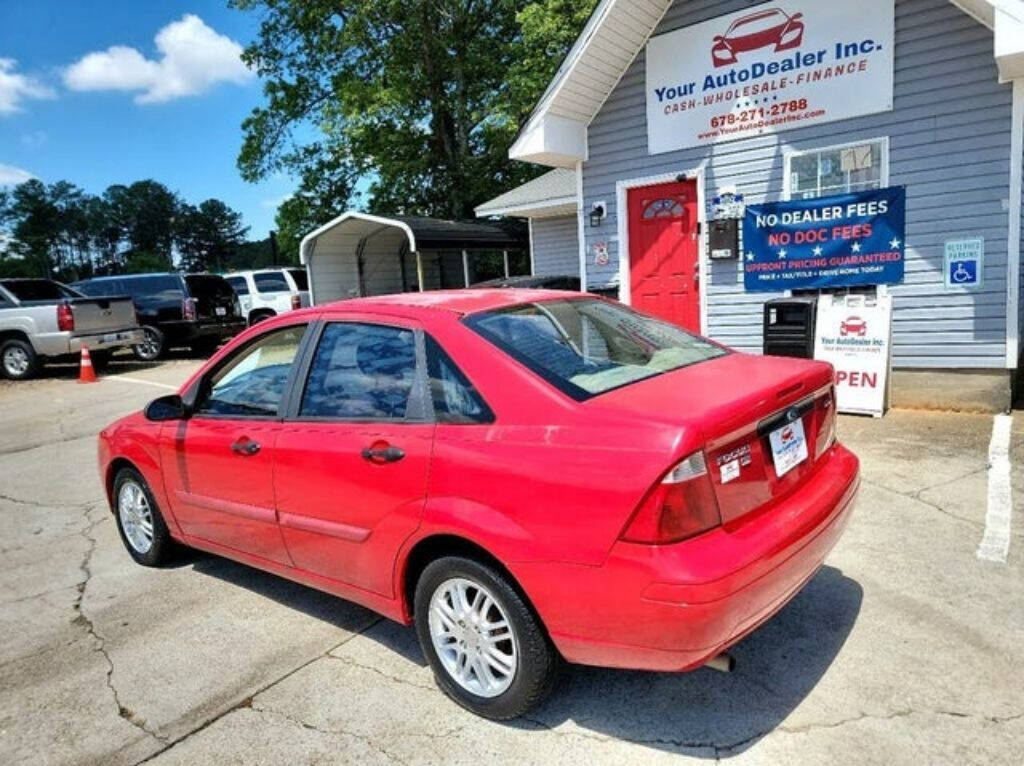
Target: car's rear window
x,y
26,290
208,286
301,280
586,347
270,282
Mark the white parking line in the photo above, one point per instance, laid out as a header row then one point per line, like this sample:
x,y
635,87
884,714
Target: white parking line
x,y
128,379
995,543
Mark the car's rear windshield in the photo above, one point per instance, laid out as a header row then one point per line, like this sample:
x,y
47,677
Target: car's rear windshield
x,y
301,280
208,286
587,347
26,290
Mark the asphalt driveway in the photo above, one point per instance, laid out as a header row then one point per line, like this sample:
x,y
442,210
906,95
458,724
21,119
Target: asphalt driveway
x,y
905,648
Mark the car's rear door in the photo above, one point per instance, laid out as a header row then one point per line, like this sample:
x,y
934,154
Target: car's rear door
x,y
354,452
219,463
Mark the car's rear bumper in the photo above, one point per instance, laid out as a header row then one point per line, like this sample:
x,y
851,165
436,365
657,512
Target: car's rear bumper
x,y
674,607
64,343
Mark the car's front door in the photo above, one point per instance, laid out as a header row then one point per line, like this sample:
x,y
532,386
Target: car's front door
x,y
218,464
353,454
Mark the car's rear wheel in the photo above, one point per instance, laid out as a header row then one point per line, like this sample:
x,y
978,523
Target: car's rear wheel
x,y
152,346
139,520
18,360
259,316
487,649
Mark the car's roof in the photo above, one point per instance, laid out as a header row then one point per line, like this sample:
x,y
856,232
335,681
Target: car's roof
x,y
144,275
460,302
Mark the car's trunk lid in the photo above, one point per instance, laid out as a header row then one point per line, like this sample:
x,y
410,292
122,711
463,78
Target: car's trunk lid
x,y
98,315
737,401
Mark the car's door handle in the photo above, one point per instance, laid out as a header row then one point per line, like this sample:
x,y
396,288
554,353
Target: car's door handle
x,y
381,454
245,447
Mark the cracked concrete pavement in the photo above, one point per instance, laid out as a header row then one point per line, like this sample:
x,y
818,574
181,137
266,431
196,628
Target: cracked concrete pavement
x,y
905,648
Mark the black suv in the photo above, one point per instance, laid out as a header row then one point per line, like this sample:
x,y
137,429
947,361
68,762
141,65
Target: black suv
x,y
196,310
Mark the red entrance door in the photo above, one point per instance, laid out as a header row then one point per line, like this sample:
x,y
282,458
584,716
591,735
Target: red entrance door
x,y
663,276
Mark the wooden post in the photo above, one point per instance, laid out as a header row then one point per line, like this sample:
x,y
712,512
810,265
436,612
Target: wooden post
x,y
419,270
465,268
504,256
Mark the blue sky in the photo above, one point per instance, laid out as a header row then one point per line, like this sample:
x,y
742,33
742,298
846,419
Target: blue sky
x,y
77,103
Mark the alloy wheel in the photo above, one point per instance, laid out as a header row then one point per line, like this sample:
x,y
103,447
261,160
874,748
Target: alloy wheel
x,y
136,517
149,349
16,361
473,637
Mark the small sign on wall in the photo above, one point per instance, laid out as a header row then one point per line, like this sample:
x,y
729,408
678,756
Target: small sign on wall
x,y
964,262
600,252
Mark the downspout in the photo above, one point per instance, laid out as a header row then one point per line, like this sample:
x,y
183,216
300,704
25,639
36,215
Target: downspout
x,y
581,231
1013,249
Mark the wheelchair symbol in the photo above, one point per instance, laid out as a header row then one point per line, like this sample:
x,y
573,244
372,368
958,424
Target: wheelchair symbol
x,y
961,274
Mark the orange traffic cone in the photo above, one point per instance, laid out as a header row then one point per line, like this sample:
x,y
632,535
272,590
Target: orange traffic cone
x,y
86,373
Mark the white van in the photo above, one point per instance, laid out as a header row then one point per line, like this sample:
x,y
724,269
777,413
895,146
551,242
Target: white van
x,y
269,292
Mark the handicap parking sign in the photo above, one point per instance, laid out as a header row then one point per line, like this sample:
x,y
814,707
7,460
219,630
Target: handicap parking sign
x,y
963,261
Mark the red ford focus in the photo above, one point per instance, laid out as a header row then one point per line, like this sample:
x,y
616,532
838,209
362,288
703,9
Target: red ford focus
x,y
528,476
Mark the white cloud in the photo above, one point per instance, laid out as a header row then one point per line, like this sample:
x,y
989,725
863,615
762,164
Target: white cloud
x,y
35,139
16,87
12,176
193,58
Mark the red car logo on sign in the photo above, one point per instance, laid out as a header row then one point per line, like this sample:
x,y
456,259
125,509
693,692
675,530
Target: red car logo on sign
x,y
772,27
787,434
853,326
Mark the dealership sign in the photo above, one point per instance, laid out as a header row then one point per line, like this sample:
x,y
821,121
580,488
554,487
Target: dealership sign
x,y
854,334
841,240
774,67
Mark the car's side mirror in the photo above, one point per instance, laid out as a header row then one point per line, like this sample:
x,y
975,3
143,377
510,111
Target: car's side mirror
x,y
169,407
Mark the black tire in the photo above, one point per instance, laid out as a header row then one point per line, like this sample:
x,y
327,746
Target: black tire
x,y
18,360
258,316
161,545
100,360
153,347
538,662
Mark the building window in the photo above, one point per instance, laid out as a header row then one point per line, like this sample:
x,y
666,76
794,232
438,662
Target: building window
x,y
837,169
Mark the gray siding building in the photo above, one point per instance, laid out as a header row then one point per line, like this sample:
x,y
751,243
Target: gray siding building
x,y
951,134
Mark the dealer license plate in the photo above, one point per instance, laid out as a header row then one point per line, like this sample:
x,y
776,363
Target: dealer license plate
x,y
789,447
220,311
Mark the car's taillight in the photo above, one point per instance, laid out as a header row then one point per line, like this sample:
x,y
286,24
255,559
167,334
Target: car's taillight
x,y
680,505
827,422
188,308
65,318
296,302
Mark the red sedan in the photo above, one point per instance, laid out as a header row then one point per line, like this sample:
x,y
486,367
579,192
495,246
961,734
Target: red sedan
x,y
527,475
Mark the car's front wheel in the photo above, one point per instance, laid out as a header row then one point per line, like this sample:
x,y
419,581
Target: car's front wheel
x,y
139,520
487,649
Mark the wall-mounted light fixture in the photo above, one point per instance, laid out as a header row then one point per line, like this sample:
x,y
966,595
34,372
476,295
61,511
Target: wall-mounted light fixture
x,y
597,213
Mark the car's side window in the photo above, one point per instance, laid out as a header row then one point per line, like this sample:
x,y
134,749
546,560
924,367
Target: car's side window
x,y
455,399
362,371
253,382
239,285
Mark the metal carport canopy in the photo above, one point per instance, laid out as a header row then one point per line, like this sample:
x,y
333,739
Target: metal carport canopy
x,y
349,232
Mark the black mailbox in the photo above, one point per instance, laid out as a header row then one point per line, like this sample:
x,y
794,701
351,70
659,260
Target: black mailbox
x,y
724,238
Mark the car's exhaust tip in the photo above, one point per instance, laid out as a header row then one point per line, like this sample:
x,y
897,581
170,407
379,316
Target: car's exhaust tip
x,y
724,663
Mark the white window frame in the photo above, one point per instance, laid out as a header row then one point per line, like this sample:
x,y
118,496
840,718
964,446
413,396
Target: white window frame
x,y
787,178
790,153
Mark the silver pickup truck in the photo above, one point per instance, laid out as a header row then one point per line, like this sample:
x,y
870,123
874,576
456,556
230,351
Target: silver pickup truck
x,y
42,320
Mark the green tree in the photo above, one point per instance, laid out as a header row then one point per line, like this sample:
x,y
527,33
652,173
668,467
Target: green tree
x,y
209,236
418,100
48,228
143,216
